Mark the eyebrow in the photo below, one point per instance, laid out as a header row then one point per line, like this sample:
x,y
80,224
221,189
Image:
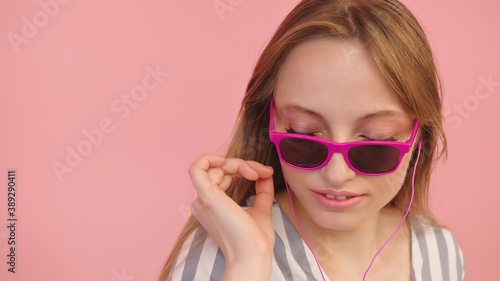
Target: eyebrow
x,y
303,109
371,115
379,114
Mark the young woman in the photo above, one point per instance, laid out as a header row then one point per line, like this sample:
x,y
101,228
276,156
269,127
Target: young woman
x,y
338,132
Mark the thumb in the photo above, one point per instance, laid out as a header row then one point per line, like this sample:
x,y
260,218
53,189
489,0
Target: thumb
x,y
264,189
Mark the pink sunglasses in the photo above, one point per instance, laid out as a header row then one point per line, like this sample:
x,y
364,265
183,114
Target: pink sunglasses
x,y
370,158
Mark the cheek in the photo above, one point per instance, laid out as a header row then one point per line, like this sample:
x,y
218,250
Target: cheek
x,y
387,185
400,173
391,183
297,178
292,175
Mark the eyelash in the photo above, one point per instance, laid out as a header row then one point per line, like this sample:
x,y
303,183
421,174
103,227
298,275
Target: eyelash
x,y
291,131
388,139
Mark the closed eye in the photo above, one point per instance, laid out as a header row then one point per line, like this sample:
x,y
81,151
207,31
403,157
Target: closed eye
x,y
291,131
369,139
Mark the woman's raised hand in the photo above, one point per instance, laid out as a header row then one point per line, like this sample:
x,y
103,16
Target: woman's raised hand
x,y
246,237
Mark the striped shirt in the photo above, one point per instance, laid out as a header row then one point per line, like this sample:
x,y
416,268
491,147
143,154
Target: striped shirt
x,y
435,254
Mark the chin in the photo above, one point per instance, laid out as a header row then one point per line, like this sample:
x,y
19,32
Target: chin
x,y
339,221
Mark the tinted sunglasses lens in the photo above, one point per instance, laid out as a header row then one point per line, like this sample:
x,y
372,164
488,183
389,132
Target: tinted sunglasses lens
x,y
374,159
303,153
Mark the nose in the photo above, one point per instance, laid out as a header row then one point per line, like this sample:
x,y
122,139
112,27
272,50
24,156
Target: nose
x,y
336,171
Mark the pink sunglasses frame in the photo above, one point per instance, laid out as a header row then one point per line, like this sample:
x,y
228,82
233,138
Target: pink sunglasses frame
x,y
343,148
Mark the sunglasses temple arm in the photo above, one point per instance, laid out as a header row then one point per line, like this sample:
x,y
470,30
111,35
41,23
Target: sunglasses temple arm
x,y
271,116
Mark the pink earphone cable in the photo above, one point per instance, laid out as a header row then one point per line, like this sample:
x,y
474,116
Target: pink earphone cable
x,y
401,223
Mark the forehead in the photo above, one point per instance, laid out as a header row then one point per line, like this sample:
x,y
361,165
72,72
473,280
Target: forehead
x,y
334,78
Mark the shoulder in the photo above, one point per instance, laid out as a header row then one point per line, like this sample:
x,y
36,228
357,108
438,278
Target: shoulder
x,y
292,259
436,254
199,259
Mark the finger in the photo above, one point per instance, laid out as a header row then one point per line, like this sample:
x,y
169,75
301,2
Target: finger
x,y
227,180
224,175
264,189
263,170
216,175
241,168
199,175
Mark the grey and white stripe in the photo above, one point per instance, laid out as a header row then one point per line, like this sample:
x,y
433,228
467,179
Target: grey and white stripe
x,y
436,255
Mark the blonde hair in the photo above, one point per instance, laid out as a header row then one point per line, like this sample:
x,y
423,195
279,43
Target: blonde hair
x,y
401,50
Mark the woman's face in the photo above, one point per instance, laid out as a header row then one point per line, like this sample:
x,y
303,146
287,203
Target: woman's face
x,y
333,89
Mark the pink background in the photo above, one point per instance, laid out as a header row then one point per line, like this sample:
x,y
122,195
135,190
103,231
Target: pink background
x,y
114,214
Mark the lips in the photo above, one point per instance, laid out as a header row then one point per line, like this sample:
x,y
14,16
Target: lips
x,y
337,200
